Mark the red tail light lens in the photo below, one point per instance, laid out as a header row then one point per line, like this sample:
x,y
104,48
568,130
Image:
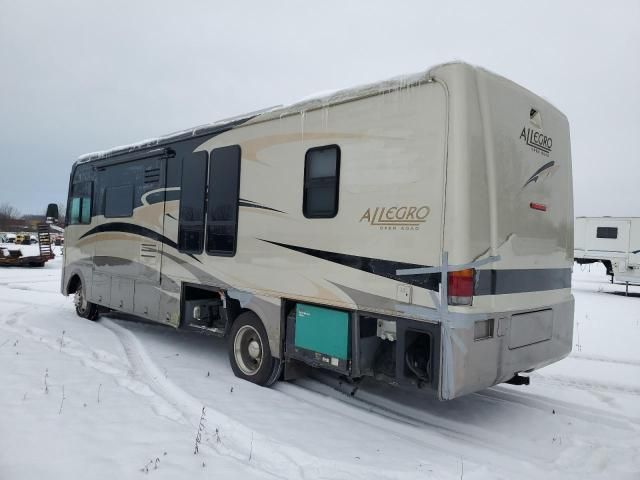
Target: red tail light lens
x,y
538,206
460,287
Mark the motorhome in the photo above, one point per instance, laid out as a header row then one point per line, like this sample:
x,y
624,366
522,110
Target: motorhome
x,y
417,230
614,241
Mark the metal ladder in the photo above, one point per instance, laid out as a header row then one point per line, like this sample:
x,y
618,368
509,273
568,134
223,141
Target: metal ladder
x,y
44,241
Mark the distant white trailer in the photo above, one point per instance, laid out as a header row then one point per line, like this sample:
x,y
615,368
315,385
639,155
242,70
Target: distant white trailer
x,y
614,241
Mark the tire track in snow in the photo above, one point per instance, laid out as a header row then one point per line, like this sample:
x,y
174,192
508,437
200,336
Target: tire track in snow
x,y
568,381
279,459
478,449
444,441
142,376
238,448
126,374
33,303
10,283
484,446
570,409
103,362
598,358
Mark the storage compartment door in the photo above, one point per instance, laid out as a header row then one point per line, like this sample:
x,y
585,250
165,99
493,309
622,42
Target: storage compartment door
x,y
122,293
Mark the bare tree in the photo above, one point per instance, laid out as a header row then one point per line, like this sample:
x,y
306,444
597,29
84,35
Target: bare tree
x,y
8,211
8,214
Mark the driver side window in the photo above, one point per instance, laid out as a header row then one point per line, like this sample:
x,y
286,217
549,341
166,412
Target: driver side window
x,y
80,204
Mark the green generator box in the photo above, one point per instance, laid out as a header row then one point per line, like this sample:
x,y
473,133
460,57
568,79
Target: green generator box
x,y
321,336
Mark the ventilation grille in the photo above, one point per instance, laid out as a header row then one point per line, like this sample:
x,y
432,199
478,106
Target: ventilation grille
x,y
151,176
148,253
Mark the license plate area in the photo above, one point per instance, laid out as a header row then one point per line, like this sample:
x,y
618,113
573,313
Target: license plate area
x,y
529,328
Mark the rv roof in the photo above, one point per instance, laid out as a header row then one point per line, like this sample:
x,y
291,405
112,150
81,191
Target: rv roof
x,y
308,103
312,102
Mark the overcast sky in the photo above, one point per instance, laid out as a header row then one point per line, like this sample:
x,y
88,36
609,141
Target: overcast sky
x,y
79,76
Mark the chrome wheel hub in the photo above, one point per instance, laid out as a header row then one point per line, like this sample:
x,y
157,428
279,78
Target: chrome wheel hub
x,y
254,349
248,350
78,300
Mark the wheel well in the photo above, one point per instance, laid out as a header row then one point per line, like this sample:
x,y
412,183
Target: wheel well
x,y
234,310
74,283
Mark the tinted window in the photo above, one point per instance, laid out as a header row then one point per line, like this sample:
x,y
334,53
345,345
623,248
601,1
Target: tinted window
x,y
607,232
80,204
118,201
321,182
192,203
85,210
123,187
224,188
74,210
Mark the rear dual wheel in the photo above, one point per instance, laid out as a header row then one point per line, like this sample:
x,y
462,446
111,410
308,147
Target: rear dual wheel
x,y
249,352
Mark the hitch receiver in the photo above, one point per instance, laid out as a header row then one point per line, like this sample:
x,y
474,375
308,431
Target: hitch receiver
x,y
518,380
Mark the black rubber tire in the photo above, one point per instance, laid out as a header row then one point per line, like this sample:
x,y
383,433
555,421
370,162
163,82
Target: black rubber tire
x,y
90,311
269,368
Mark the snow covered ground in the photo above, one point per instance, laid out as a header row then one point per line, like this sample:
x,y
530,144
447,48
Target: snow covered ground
x,y
123,399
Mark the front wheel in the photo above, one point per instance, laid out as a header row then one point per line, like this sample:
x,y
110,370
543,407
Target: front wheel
x,y
84,308
249,352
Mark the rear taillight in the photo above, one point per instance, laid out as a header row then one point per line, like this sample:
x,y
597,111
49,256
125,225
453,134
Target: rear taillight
x,y
460,287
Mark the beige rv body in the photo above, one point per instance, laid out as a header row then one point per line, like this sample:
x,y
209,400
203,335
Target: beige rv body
x,y
436,170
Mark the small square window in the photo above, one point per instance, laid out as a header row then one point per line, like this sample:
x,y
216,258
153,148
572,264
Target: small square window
x,y
321,182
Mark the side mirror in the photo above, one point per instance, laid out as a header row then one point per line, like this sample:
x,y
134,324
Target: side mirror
x,y
52,212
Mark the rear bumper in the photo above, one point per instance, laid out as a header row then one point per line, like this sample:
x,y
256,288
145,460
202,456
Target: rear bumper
x,y
516,345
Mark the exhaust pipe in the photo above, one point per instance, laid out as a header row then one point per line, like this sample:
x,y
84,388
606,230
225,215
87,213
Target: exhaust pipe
x,y
518,380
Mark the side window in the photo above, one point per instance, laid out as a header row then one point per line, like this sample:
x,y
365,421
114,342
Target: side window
x,y
321,182
607,232
224,190
192,203
122,187
80,204
118,201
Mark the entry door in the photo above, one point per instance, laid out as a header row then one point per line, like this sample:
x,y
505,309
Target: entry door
x,y
150,216
113,255
130,205
152,193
